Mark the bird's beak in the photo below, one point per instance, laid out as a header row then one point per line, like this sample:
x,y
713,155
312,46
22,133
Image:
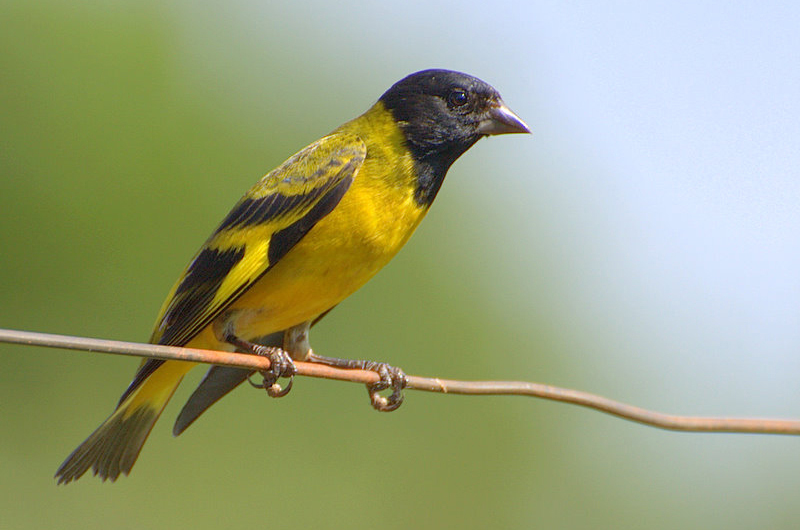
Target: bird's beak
x,y
500,120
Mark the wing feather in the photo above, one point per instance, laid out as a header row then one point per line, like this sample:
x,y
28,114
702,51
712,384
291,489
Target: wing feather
x,y
263,226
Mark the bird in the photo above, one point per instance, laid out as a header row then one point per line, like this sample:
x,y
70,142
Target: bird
x,y
301,240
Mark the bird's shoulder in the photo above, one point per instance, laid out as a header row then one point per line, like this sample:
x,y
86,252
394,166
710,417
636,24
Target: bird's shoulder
x,y
315,167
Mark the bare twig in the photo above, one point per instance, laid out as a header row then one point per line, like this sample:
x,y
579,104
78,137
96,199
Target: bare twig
x,y
447,386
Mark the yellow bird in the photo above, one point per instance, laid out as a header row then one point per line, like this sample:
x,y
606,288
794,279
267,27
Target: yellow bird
x,y
301,240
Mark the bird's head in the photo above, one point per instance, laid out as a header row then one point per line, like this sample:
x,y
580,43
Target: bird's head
x,y
443,113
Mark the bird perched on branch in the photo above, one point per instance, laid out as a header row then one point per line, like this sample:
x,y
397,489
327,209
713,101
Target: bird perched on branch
x,y
301,240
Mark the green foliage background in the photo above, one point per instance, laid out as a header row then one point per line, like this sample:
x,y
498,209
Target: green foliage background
x,y
128,129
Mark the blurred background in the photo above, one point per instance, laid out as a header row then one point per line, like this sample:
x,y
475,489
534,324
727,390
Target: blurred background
x,y
643,244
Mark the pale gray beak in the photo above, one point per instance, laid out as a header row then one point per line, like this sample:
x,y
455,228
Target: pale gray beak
x,y
501,120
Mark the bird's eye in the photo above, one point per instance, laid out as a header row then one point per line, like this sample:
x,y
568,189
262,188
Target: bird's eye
x,y
457,98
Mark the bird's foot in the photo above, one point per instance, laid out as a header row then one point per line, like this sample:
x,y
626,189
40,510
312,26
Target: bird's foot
x,y
280,365
391,377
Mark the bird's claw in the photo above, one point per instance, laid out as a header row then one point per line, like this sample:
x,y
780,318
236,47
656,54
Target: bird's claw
x,y
280,365
391,377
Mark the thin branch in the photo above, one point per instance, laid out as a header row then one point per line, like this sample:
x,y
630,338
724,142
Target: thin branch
x,y
446,386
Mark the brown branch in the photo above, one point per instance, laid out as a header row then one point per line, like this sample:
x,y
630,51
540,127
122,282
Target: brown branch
x,y
446,386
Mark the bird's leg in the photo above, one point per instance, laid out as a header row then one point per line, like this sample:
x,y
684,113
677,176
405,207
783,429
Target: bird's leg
x,y
280,364
295,341
391,377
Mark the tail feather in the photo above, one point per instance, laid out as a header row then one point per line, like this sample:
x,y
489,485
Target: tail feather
x,y
113,448
218,381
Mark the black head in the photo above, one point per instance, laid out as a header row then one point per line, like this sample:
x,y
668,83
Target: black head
x,y
442,114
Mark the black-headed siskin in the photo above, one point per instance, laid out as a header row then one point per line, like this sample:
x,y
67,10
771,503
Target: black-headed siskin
x,y
302,239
